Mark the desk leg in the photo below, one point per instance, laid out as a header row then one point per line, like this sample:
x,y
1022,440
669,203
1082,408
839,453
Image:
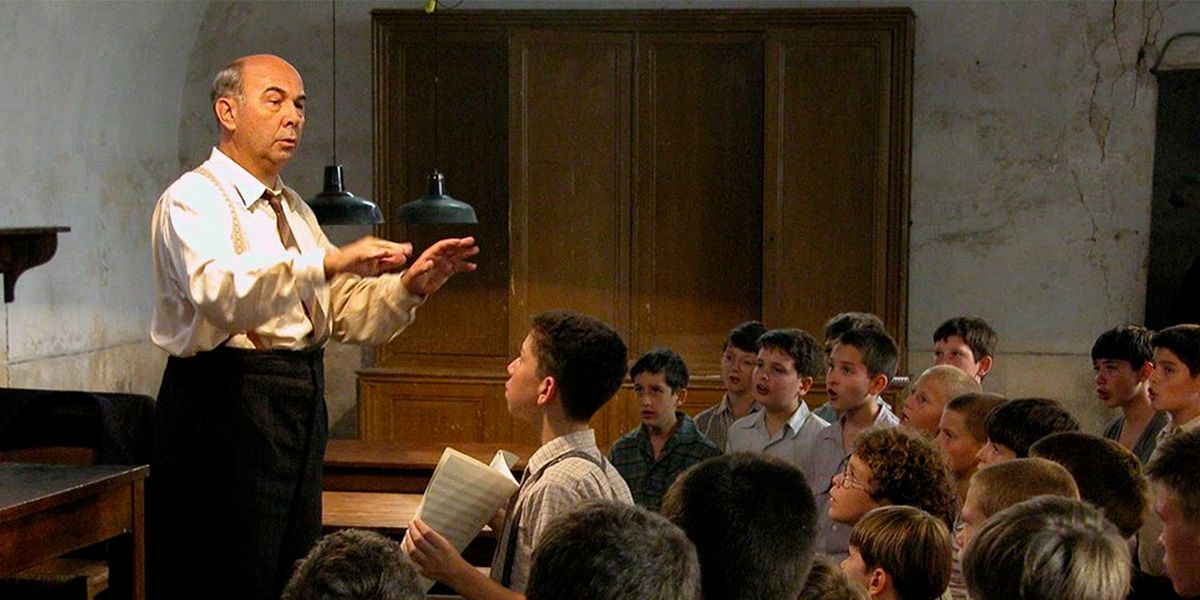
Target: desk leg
x,y
127,559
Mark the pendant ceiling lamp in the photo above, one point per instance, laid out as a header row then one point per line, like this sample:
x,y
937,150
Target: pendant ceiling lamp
x,y
335,205
436,206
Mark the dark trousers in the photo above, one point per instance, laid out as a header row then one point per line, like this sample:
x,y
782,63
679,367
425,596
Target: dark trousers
x,y
235,485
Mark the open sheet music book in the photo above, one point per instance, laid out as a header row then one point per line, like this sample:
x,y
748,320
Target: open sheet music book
x,y
464,494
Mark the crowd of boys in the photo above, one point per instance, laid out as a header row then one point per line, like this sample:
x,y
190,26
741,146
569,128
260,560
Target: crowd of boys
x,y
964,494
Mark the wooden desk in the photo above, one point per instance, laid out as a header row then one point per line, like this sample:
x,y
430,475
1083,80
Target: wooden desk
x,y
390,514
358,466
49,510
385,513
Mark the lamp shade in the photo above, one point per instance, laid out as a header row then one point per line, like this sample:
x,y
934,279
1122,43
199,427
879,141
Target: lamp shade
x,y
436,207
335,206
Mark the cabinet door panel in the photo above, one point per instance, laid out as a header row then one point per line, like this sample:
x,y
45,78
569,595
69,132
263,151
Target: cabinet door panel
x,y
828,185
469,317
569,132
697,216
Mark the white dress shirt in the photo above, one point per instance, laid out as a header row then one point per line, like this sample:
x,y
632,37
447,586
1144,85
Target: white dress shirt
x,y
210,294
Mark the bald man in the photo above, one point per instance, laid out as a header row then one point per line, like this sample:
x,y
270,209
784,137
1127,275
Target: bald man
x,y
249,290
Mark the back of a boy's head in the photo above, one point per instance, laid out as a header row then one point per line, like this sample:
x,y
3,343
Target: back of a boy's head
x,y
355,565
1002,485
950,380
1183,341
745,336
665,361
1047,548
878,349
910,545
1130,343
1017,424
753,520
975,407
586,357
826,581
843,322
975,333
805,352
907,469
605,550
1108,476
1176,465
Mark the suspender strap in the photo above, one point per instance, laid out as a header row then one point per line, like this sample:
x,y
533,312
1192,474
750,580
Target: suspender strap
x,y
515,518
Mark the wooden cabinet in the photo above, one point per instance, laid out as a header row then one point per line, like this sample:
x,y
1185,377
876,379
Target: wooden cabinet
x,y
672,172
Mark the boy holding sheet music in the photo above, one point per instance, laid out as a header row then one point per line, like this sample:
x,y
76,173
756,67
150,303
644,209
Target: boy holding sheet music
x,y
569,365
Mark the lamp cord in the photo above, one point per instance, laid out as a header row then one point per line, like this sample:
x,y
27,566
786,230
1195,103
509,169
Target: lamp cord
x,y
435,86
333,87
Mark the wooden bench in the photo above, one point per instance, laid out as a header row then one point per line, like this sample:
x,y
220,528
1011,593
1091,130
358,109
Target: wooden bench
x,y
359,466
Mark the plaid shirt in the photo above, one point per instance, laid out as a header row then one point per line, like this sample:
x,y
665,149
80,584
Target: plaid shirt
x,y
649,478
715,420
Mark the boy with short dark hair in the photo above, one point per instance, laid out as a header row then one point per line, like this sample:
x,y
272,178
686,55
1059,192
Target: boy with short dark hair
x,y
862,363
1015,425
1175,382
651,455
967,343
788,361
738,357
900,553
569,365
605,550
1107,474
834,328
1123,362
1175,390
843,322
751,518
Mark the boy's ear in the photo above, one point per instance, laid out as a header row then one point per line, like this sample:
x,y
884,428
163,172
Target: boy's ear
x,y
680,396
1143,374
878,384
547,391
879,582
985,365
806,384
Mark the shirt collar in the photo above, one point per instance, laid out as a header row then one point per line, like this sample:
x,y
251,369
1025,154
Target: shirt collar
x,y
798,418
724,406
1173,429
247,185
579,440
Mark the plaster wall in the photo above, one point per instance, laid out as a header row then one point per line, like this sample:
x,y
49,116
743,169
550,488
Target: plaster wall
x,y
90,124
1032,149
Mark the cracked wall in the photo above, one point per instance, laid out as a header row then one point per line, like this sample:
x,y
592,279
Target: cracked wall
x,y
1033,147
90,120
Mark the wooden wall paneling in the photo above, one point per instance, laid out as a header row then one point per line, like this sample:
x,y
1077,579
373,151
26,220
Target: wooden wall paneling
x,y
829,176
469,317
425,409
697,215
569,173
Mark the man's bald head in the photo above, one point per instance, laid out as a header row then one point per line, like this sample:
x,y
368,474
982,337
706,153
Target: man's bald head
x,y
228,82
258,101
